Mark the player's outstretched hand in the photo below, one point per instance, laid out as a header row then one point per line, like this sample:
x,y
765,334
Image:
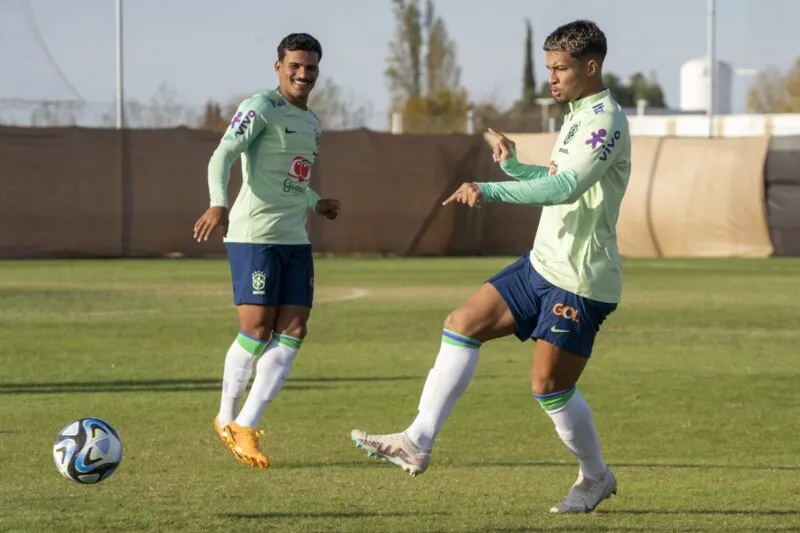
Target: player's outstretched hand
x,y
469,194
206,224
502,146
328,208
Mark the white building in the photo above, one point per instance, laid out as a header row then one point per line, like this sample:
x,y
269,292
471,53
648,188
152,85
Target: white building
x,y
694,86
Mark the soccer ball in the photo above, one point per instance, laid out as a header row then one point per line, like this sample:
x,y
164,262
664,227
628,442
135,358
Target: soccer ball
x,y
87,451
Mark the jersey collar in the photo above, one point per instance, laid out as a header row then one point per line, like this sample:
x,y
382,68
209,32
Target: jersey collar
x,y
589,100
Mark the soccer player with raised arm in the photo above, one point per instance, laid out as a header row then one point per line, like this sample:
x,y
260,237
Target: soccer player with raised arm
x,y
560,292
272,268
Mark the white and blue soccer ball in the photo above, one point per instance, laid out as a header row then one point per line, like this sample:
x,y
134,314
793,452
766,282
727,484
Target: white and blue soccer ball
x,y
87,451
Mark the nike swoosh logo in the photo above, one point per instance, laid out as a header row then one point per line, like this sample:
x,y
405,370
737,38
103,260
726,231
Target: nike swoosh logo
x,y
556,330
290,131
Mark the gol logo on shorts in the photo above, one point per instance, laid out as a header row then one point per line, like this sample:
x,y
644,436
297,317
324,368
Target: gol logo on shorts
x,y
563,310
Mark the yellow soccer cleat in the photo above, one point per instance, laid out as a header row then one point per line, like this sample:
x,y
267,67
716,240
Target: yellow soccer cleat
x,y
223,436
220,431
243,443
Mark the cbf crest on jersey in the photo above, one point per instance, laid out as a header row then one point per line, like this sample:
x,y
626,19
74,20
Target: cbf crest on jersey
x,y
571,133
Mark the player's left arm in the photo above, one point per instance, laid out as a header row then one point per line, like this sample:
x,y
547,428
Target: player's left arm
x,y
311,195
323,206
600,137
312,198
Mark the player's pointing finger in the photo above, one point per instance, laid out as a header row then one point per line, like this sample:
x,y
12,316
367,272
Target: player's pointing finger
x,y
452,197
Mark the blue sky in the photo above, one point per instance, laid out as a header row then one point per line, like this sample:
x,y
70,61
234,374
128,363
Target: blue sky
x,y
211,49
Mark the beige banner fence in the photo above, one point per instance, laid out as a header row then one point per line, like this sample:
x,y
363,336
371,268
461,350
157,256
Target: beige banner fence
x,y
88,193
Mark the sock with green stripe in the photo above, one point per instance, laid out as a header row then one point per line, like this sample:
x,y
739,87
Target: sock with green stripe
x,y
573,422
271,371
447,381
236,375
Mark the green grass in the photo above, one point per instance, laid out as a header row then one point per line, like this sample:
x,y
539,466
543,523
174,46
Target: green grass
x,y
693,386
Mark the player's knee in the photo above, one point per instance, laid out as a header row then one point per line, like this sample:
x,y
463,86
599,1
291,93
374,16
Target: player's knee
x,y
297,329
256,321
255,326
464,322
543,384
255,331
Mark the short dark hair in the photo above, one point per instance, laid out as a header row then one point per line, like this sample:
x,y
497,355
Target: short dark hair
x,y
581,38
299,41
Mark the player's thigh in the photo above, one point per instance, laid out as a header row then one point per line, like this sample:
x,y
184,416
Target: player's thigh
x,y
565,335
496,309
296,296
256,278
554,369
506,304
297,276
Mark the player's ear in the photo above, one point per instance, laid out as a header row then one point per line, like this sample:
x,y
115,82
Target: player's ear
x,y
277,65
592,67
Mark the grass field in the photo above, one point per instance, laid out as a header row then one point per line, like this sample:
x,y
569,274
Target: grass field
x,y
693,385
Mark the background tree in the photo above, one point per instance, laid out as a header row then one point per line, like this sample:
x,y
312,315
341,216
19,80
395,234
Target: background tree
x,y
422,72
336,109
776,92
213,118
525,114
528,77
639,87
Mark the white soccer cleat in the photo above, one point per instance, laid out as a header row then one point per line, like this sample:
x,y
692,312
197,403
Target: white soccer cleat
x,y
586,494
395,448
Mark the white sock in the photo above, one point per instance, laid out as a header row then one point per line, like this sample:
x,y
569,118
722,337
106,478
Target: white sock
x,y
271,371
447,381
573,422
236,375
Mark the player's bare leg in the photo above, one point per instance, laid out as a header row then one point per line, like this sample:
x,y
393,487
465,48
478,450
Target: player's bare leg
x,y
272,369
554,377
483,317
255,328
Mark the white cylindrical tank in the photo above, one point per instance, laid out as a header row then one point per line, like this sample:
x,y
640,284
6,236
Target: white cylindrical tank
x,y
694,86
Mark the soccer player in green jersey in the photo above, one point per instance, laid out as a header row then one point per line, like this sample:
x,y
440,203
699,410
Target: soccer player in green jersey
x,y
272,268
560,292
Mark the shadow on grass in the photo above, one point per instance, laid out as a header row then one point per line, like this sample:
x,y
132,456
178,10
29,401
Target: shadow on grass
x,y
697,466
332,514
172,385
710,512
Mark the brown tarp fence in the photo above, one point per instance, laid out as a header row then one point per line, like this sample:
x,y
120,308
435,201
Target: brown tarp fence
x,y
695,198
75,192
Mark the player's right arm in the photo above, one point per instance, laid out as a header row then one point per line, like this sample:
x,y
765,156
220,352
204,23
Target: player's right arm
x,y
247,124
587,164
519,171
504,151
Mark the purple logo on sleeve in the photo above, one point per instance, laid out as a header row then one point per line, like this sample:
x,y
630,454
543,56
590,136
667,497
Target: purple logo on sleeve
x,y
598,137
236,119
243,123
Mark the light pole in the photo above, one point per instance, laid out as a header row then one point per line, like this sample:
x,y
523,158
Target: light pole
x,y
120,96
712,65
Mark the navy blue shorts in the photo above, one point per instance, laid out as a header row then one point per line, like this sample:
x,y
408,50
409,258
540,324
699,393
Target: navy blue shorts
x,y
271,274
543,311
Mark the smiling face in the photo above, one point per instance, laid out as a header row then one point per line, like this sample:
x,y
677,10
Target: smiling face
x,y
297,67
297,72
